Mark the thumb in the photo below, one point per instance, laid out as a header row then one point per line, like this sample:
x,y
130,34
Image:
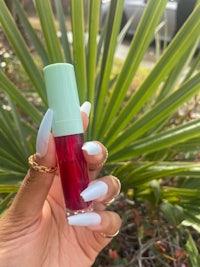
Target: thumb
x,y
31,196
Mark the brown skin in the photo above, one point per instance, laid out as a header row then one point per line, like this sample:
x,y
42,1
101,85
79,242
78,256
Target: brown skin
x,y
34,232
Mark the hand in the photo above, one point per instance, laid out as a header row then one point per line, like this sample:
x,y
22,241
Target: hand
x,y
34,232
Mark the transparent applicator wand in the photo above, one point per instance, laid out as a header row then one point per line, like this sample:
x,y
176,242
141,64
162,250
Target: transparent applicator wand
x,y
67,128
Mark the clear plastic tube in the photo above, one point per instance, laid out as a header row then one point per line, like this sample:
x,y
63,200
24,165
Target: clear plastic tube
x,y
73,172
67,128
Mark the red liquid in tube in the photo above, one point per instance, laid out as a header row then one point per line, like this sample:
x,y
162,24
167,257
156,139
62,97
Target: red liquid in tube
x,y
73,172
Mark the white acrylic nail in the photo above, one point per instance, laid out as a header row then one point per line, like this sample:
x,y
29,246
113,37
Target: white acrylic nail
x,y
84,219
92,148
86,107
94,191
44,134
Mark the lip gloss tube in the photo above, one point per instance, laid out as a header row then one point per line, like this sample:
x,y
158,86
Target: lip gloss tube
x,y
67,128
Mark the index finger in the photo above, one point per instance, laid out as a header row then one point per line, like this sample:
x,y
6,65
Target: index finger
x,y
85,111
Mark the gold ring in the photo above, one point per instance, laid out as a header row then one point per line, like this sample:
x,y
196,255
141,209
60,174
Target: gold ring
x,y
93,167
109,236
39,168
107,203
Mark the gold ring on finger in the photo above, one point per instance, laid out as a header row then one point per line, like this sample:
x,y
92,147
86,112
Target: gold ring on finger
x,y
40,168
94,167
108,202
108,235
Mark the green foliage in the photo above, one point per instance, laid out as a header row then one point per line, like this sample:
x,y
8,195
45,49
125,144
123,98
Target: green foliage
x,y
144,140
194,259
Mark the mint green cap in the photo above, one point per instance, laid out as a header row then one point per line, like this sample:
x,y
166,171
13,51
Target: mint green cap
x,y
63,99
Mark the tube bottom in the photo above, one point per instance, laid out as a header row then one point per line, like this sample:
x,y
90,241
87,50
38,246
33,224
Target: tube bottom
x,y
75,212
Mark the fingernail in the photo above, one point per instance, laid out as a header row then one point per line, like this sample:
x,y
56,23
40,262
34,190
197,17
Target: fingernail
x,y
86,107
92,148
44,134
85,219
94,191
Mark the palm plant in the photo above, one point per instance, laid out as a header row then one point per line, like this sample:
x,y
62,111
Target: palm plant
x,y
145,135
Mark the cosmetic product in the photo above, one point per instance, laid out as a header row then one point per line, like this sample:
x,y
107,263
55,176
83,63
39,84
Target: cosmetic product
x,y
67,128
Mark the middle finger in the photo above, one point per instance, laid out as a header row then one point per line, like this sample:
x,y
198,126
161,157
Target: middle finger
x,y
96,155
102,191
